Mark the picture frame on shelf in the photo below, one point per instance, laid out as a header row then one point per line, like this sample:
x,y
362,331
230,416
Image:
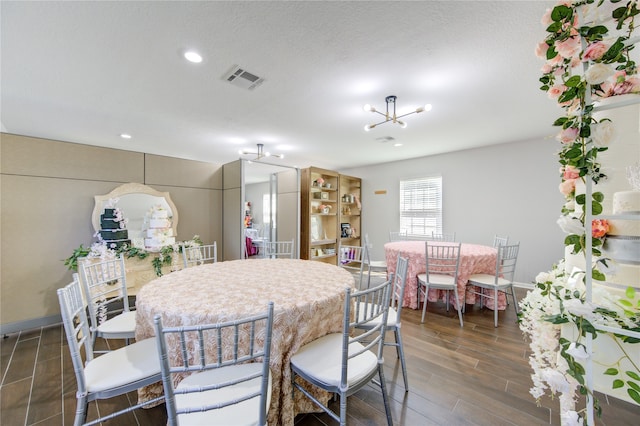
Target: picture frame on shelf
x,y
345,230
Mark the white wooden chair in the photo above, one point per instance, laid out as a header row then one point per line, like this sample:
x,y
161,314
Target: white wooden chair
x,y
500,281
114,373
373,266
442,264
343,363
394,322
199,255
441,236
105,291
397,235
229,387
278,249
500,241
350,258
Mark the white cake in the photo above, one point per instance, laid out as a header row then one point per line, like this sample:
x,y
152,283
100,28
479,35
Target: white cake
x,y
159,232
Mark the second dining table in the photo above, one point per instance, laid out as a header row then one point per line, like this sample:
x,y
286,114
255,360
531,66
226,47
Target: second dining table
x,y
308,301
474,259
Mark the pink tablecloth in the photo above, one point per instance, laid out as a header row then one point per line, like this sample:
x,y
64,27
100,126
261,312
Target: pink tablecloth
x,y
308,301
474,259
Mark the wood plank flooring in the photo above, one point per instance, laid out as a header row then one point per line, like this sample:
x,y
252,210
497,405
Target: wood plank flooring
x,y
476,375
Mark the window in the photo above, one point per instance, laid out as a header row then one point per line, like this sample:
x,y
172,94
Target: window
x,y
421,205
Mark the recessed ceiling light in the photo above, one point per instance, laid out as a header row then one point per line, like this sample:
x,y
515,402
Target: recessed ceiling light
x,y
397,144
125,136
192,56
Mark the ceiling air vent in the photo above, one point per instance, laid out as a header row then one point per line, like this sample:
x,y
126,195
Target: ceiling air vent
x,y
242,78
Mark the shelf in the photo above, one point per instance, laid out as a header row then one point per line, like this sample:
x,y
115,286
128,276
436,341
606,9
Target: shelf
x,y
323,214
324,256
323,242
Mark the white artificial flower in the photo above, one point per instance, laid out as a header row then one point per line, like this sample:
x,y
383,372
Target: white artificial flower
x,y
571,418
603,133
556,380
570,205
544,277
579,308
598,73
570,224
577,352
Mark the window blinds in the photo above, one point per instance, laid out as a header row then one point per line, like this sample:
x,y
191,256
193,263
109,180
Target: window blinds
x,y
421,205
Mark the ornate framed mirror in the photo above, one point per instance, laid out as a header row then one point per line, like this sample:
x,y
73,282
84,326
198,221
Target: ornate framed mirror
x,y
135,200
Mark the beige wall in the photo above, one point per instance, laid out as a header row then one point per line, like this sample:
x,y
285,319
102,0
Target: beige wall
x,y
46,201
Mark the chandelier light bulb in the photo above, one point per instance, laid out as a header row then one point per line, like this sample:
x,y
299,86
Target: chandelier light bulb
x,y
402,124
368,127
368,108
428,107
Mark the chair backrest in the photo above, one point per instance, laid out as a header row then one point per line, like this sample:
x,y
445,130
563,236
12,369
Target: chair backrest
x,y
278,249
399,284
447,237
442,258
500,241
416,237
369,305
199,255
76,327
245,340
506,261
105,289
397,235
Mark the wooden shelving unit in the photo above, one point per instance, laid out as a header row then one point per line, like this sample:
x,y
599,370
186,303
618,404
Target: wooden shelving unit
x,y
319,217
321,229
350,210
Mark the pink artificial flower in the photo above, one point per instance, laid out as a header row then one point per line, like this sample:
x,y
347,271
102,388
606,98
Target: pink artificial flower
x,y
568,48
546,69
568,135
557,90
567,187
570,172
594,51
546,18
599,228
541,50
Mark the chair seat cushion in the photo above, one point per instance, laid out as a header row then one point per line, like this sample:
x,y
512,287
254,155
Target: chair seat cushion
x,y
488,280
122,324
378,264
125,365
242,413
437,280
322,360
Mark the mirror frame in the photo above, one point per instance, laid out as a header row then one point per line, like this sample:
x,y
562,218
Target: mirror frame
x,y
128,189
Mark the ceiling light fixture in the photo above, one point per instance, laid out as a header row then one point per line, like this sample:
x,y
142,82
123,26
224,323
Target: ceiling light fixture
x,y
260,154
193,56
391,116
125,136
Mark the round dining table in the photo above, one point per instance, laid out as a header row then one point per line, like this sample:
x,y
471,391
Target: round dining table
x,y
474,259
308,299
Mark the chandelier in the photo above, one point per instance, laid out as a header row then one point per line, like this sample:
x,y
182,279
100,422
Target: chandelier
x,y
260,154
391,115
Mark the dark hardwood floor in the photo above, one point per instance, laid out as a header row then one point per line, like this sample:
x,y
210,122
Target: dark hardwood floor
x,y
476,375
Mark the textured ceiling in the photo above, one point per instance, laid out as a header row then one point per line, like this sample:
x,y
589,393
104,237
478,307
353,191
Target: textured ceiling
x,y
88,71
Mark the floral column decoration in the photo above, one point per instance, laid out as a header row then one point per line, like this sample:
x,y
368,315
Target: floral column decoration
x,y
587,57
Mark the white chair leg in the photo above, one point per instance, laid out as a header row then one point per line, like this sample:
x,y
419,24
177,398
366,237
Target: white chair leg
x,y
403,364
455,294
426,297
495,308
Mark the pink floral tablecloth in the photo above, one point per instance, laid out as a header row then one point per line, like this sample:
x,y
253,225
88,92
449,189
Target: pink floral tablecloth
x,y
474,259
308,300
